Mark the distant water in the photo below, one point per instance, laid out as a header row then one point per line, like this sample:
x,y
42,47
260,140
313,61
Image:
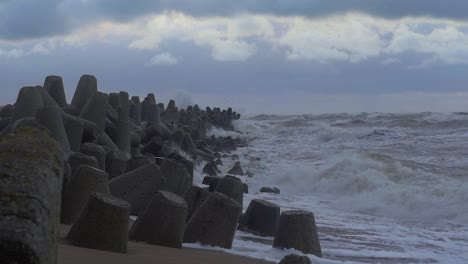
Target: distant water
x,y
384,188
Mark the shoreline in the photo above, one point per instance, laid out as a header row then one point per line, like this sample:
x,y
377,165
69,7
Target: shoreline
x,y
142,253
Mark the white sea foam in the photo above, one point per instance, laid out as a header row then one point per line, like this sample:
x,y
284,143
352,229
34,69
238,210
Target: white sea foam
x,y
385,188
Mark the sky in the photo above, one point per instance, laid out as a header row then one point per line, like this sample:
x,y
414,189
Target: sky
x,y
257,56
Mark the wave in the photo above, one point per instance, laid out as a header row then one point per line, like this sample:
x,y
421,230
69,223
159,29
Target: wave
x,y
377,186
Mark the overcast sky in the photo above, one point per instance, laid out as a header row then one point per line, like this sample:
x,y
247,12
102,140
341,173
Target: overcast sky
x,y
258,56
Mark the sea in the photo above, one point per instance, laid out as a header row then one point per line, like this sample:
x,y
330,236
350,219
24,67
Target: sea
x,y
384,188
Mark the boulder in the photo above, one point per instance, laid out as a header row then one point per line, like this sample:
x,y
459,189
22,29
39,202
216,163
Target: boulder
x,y
138,186
261,218
75,194
295,259
30,186
215,222
297,229
102,225
162,222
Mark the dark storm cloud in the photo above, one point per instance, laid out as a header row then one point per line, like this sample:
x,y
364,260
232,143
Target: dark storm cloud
x,y
23,19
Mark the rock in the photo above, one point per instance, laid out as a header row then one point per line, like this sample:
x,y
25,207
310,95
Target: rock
x,y
217,155
178,177
232,187
249,174
103,224
295,259
96,151
162,222
261,218
297,229
236,170
194,197
270,190
75,194
30,186
138,186
54,86
215,222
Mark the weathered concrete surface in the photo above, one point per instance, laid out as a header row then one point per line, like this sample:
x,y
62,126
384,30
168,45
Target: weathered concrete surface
x,y
30,187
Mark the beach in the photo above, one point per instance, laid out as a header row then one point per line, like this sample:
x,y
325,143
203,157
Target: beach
x,y
142,253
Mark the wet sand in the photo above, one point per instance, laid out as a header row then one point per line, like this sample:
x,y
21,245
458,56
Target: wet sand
x,y
141,253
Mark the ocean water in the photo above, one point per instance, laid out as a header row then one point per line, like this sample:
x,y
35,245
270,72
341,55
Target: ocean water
x,y
384,188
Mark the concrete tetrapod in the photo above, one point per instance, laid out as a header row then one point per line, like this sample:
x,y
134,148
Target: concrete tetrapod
x,y
232,187
103,224
54,86
162,222
96,151
261,218
30,187
215,222
177,175
86,88
75,195
137,186
195,197
297,229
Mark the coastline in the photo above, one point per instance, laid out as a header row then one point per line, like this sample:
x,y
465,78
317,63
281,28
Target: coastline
x,y
142,253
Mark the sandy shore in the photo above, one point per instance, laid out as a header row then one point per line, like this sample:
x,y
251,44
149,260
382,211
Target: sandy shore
x,y
141,253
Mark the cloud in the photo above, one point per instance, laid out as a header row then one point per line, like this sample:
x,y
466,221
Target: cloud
x,y
389,61
447,44
224,36
350,38
12,53
163,59
29,19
